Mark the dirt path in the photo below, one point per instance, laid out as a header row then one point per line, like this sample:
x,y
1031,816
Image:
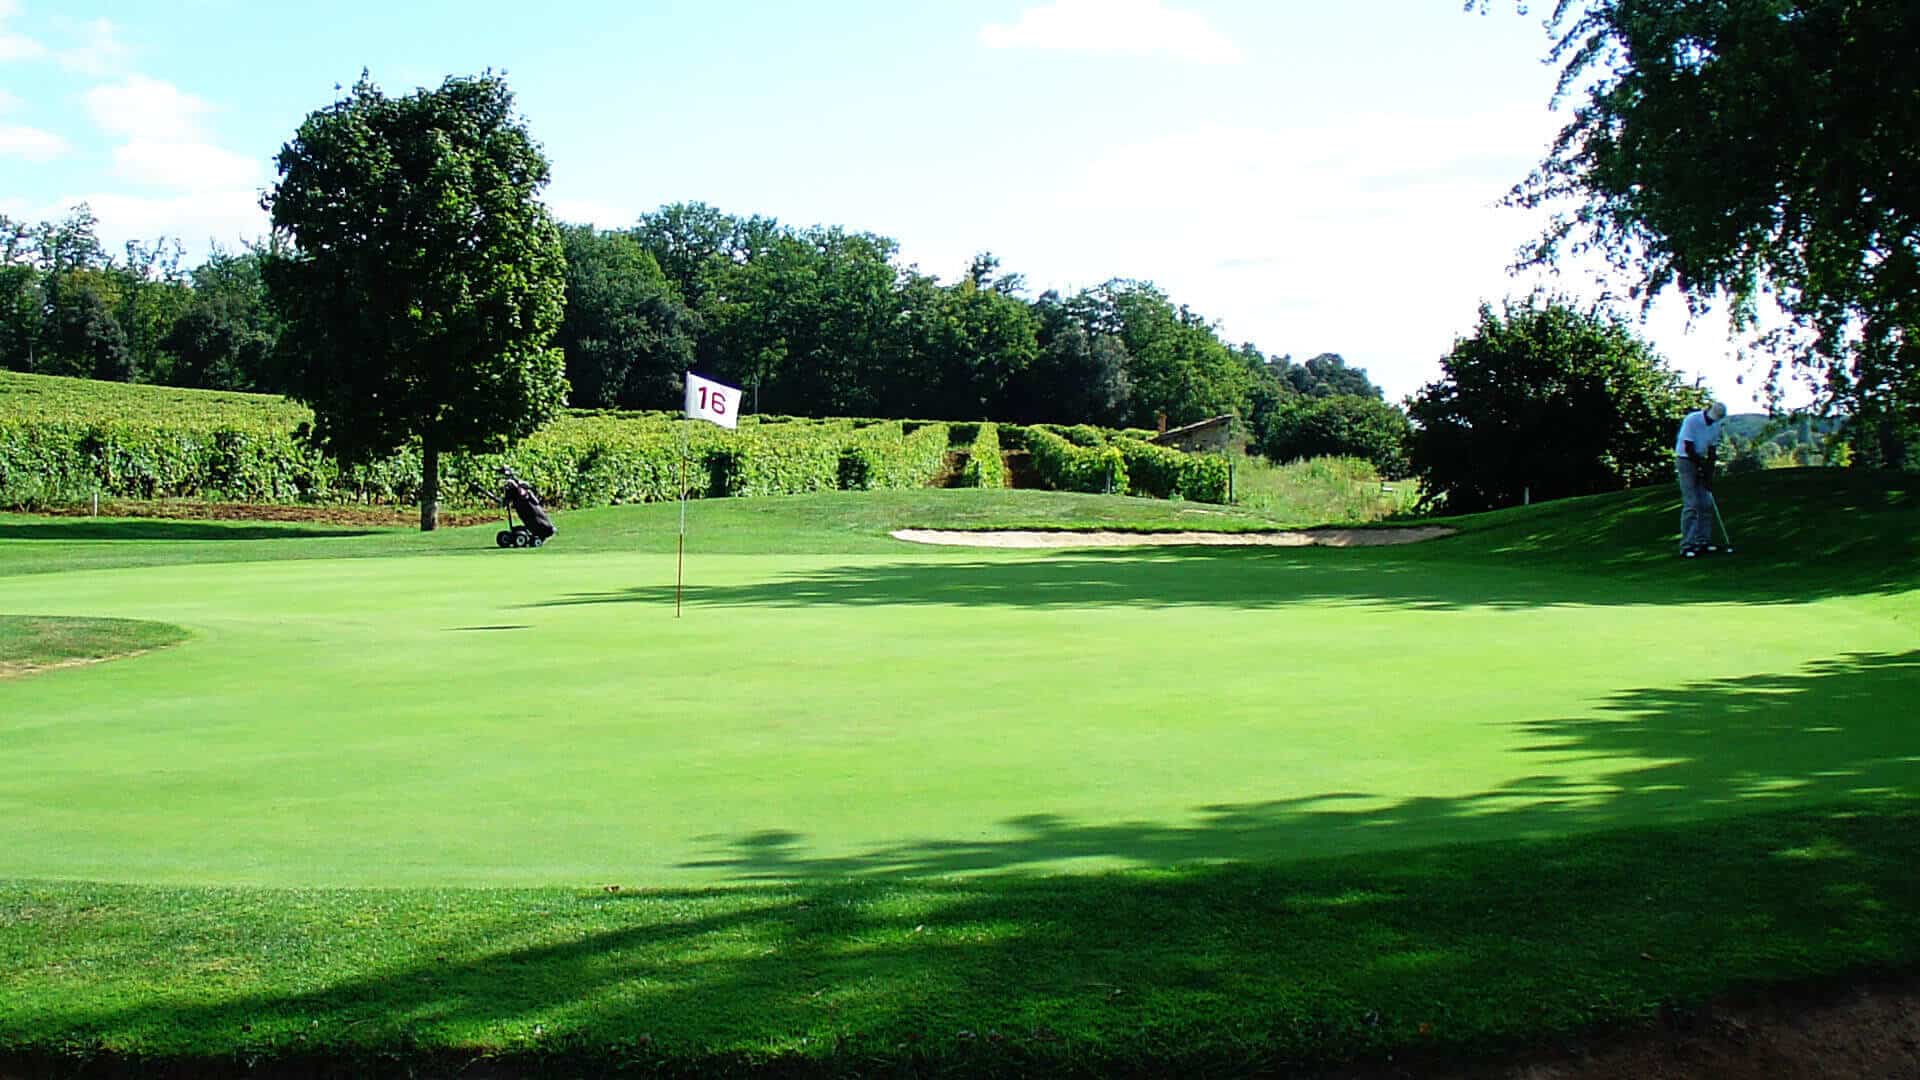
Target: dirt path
x,y
182,510
1022,538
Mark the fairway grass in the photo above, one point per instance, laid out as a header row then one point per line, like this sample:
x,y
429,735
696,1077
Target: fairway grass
x,y
864,798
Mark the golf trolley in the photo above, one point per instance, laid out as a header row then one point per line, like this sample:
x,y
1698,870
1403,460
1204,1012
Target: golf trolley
x,y
535,527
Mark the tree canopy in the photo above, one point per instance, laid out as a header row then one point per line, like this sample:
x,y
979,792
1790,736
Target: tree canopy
x,y
1544,401
424,278
1747,151
1339,425
626,335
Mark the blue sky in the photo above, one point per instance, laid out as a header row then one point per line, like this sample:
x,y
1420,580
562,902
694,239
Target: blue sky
x,y
1313,176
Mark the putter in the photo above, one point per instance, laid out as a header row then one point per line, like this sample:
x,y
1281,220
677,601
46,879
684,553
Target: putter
x,y
1723,523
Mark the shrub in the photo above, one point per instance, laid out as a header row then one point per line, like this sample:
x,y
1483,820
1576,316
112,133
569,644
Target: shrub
x,y
1339,426
1063,466
1545,400
1165,473
882,457
985,467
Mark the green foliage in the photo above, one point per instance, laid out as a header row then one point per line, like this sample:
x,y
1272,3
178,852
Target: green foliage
x,y
1080,373
1339,426
626,336
1545,401
1757,149
82,337
985,467
427,278
63,440
1325,375
882,457
1753,442
1080,434
1162,472
1064,466
1176,366
1320,491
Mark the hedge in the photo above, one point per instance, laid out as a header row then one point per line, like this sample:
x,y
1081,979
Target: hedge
x,y
1063,466
985,467
881,457
1165,473
64,440
578,461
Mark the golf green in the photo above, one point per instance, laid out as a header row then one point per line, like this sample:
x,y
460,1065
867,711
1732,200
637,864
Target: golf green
x,y
535,718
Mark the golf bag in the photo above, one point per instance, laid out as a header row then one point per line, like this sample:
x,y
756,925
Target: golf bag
x,y
535,527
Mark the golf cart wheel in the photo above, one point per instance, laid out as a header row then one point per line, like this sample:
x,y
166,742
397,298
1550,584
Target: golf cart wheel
x,y
503,538
522,538
539,541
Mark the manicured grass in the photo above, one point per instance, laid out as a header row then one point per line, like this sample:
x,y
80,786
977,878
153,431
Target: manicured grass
x,y
832,523
1121,808
1437,954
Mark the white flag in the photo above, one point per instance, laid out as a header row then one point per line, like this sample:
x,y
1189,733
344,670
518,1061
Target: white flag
x,y
709,400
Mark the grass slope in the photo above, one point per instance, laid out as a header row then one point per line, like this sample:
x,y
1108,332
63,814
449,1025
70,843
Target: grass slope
x,y
867,803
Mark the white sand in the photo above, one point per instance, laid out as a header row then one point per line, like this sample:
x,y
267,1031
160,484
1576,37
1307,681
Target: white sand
x,y
1054,539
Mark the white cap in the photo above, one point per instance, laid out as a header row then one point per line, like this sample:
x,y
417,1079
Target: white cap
x,y
1716,412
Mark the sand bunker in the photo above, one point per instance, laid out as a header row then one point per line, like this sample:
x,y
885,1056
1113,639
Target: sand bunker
x,y
1057,539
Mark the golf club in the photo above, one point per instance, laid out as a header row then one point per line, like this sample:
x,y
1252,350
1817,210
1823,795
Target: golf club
x,y
1723,523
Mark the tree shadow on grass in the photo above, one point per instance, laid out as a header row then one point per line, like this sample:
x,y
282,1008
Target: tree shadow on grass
x,y
1842,729
1222,969
1249,578
1553,907
157,529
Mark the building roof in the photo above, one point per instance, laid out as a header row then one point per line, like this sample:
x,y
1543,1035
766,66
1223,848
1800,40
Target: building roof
x,y
1191,429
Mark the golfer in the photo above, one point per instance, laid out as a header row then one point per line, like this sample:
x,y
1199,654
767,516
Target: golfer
x,y
1694,454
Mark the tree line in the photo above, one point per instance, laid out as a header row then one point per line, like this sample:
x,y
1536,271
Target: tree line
x,y
812,321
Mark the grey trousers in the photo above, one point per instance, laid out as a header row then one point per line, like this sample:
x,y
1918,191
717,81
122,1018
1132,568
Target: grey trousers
x,y
1696,506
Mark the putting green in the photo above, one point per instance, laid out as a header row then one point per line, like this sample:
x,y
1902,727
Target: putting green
x,y
543,718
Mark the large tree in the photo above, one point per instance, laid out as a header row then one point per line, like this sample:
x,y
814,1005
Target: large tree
x,y
1338,425
626,335
1544,400
425,279
1177,366
228,338
81,338
1327,375
1746,149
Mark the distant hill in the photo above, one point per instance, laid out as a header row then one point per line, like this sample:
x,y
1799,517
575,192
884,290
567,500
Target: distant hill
x,y
1753,427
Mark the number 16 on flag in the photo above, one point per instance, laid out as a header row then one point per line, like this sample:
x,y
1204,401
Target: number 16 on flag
x,y
709,400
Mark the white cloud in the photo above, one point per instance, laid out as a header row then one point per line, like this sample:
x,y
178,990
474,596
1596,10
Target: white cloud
x,y
1376,237
8,102
100,53
1129,27
227,217
192,166
31,143
16,46
144,108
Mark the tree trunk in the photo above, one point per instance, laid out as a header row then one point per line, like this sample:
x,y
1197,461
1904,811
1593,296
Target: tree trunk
x,y
429,487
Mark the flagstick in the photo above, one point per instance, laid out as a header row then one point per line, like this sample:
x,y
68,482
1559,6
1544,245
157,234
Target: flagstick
x,y
680,559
